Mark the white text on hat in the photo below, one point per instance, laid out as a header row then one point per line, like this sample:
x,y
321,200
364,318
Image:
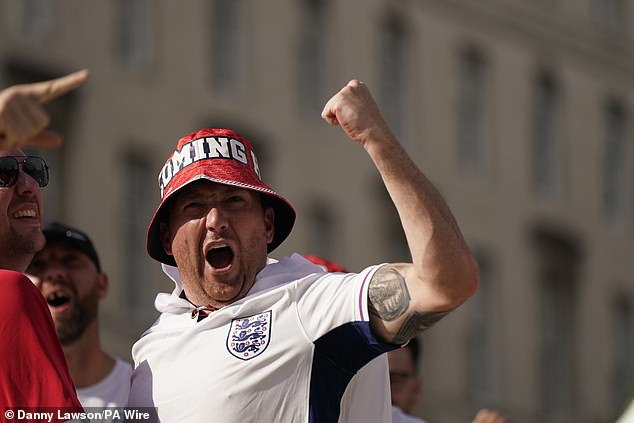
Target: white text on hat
x,y
203,149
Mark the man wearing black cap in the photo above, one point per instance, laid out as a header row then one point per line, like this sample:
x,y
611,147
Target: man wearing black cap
x,y
244,337
68,273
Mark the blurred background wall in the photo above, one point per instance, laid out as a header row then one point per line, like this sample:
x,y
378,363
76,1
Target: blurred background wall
x,y
519,111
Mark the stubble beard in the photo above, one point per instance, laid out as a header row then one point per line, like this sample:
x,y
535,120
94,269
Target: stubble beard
x,y
71,327
19,248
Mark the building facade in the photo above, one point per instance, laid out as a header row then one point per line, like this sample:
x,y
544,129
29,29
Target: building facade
x,y
520,113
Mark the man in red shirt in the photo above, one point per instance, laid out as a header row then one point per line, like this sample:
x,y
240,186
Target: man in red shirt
x,y
33,374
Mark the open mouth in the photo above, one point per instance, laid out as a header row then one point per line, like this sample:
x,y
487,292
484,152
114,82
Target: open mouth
x,y
219,256
24,213
57,299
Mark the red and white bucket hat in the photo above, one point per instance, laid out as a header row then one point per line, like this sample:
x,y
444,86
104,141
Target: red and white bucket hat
x,y
222,156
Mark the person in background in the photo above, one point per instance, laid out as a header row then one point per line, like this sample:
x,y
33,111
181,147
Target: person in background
x,y
489,416
405,382
407,385
33,372
325,264
68,273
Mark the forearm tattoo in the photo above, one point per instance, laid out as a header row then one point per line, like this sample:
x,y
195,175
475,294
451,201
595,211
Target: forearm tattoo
x,y
417,323
387,294
389,298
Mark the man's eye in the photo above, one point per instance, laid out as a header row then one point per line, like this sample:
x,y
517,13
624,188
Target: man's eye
x,y
235,199
71,261
193,205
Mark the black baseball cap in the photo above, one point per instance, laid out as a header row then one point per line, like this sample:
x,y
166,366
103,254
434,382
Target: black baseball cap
x,y
56,231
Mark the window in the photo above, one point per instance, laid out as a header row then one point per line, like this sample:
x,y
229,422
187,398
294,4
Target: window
x,y
623,343
472,113
138,176
611,14
481,357
322,230
616,183
557,265
312,60
393,68
396,247
546,152
135,43
37,17
227,60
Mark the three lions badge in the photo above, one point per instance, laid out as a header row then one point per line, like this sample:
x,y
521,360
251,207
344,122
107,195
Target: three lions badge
x,y
249,336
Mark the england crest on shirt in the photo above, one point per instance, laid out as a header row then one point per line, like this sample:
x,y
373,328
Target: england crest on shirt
x,y
249,336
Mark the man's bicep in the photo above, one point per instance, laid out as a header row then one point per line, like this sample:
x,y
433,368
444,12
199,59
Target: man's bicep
x,y
397,315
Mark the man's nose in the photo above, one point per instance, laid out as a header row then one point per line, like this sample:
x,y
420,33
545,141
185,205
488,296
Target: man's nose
x,y
216,220
26,185
52,272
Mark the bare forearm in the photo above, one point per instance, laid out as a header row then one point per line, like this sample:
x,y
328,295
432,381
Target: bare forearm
x,y
439,253
407,298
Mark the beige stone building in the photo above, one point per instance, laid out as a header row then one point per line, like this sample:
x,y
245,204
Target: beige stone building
x,y
519,111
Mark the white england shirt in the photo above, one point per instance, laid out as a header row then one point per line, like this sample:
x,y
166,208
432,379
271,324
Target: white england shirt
x,y
284,353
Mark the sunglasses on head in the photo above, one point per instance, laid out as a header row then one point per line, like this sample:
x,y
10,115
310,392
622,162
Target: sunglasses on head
x,y
33,166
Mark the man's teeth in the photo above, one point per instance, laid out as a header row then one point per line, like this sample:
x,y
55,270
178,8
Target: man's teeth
x,y
219,246
25,213
57,298
56,295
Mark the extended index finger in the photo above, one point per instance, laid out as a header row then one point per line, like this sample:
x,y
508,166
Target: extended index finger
x,y
48,90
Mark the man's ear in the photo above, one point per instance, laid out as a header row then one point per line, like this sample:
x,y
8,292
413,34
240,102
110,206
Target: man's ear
x,y
103,285
269,222
166,238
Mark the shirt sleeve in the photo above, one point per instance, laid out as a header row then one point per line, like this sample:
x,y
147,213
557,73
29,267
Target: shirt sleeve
x,y
333,311
34,371
331,300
